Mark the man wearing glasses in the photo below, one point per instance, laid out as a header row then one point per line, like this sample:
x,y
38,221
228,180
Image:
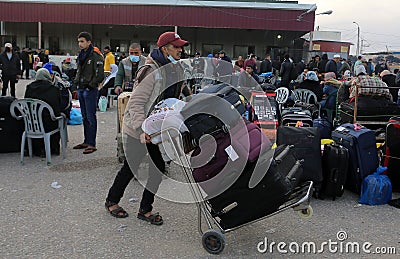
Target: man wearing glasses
x,y
127,69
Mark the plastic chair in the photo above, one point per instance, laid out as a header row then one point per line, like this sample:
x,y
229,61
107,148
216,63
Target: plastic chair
x,y
31,111
282,95
305,96
110,96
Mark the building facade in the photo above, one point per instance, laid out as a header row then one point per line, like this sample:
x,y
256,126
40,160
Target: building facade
x,y
239,28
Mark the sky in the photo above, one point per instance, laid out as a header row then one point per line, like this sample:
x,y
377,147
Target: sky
x,y
379,22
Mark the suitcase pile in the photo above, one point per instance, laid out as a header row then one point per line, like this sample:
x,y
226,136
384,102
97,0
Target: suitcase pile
x,y
244,179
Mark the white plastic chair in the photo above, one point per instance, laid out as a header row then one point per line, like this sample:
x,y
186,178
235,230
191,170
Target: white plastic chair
x,y
110,96
305,96
282,95
31,111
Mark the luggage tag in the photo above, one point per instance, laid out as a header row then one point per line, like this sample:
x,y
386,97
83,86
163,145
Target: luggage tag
x,y
231,153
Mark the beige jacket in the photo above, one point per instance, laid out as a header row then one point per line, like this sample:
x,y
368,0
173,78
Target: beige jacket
x,y
144,95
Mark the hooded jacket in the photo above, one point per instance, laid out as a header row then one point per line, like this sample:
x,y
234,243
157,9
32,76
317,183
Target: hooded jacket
x,y
150,83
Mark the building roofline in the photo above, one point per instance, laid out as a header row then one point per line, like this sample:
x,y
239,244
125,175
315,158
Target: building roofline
x,y
194,3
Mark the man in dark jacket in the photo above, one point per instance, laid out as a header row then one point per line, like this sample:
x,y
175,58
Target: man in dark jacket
x,y
331,66
322,63
266,64
25,62
224,68
88,77
286,69
11,69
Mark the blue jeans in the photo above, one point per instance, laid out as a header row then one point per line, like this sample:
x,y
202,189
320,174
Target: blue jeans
x,y
88,103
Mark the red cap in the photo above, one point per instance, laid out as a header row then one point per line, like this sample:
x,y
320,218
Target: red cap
x,y
170,38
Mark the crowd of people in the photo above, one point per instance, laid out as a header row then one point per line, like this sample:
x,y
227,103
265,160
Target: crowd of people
x,y
98,72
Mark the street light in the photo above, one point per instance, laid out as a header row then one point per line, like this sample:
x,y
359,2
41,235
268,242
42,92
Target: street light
x,y
329,12
358,38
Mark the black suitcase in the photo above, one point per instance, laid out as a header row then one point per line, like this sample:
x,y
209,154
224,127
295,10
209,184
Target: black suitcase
x,y
335,164
10,129
392,157
292,115
369,109
363,155
312,108
257,193
307,146
212,112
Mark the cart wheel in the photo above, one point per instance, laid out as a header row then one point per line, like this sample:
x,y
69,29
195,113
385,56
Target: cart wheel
x,y
213,241
306,213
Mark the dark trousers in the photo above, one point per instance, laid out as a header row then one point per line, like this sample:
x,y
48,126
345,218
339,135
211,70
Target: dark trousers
x,y
12,81
88,103
135,152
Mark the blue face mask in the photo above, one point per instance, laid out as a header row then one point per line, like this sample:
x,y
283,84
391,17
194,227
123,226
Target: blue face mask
x,y
134,58
173,61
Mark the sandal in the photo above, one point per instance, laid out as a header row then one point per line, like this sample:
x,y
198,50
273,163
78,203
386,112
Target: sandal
x,y
154,219
81,146
118,212
89,150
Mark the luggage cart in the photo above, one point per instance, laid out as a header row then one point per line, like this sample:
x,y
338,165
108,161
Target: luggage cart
x,y
213,239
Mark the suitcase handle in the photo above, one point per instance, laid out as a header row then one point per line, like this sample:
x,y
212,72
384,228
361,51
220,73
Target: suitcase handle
x,y
292,173
278,159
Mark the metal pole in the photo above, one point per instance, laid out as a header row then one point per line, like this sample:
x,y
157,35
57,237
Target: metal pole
x,y
358,39
39,35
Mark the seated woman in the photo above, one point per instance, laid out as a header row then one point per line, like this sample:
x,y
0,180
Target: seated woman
x,y
311,82
109,81
43,89
330,90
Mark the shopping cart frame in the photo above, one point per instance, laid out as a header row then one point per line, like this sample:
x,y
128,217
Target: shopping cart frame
x,y
213,240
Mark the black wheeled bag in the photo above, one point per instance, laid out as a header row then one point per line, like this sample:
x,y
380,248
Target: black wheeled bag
x,y
11,129
307,146
392,156
211,113
363,155
292,115
335,165
369,108
258,191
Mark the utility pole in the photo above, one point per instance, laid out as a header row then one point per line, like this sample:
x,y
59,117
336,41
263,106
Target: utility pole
x,y
358,39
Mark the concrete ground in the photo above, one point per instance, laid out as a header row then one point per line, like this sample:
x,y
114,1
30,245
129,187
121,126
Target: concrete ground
x,y
38,221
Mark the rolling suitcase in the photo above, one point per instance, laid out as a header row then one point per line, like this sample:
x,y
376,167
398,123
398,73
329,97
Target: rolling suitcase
x,y
307,146
293,115
392,157
249,198
335,162
363,155
218,108
11,129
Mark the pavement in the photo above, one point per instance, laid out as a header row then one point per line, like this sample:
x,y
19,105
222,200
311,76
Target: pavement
x,y
39,221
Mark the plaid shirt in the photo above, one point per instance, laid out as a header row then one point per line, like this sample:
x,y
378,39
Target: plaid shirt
x,y
369,86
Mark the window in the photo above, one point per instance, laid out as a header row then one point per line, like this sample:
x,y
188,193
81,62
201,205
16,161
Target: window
x,y
32,42
211,48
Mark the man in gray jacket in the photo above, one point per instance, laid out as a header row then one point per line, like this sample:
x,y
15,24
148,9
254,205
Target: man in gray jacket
x,y
127,69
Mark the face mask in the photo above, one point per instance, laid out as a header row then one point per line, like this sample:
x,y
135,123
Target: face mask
x,y
173,61
134,58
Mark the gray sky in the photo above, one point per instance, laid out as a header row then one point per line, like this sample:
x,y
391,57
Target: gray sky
x,y
379,22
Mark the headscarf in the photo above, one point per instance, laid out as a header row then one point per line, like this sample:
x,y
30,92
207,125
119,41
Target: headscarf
x,y
384,73
360,69
114,70
312,76
329,75
43,74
